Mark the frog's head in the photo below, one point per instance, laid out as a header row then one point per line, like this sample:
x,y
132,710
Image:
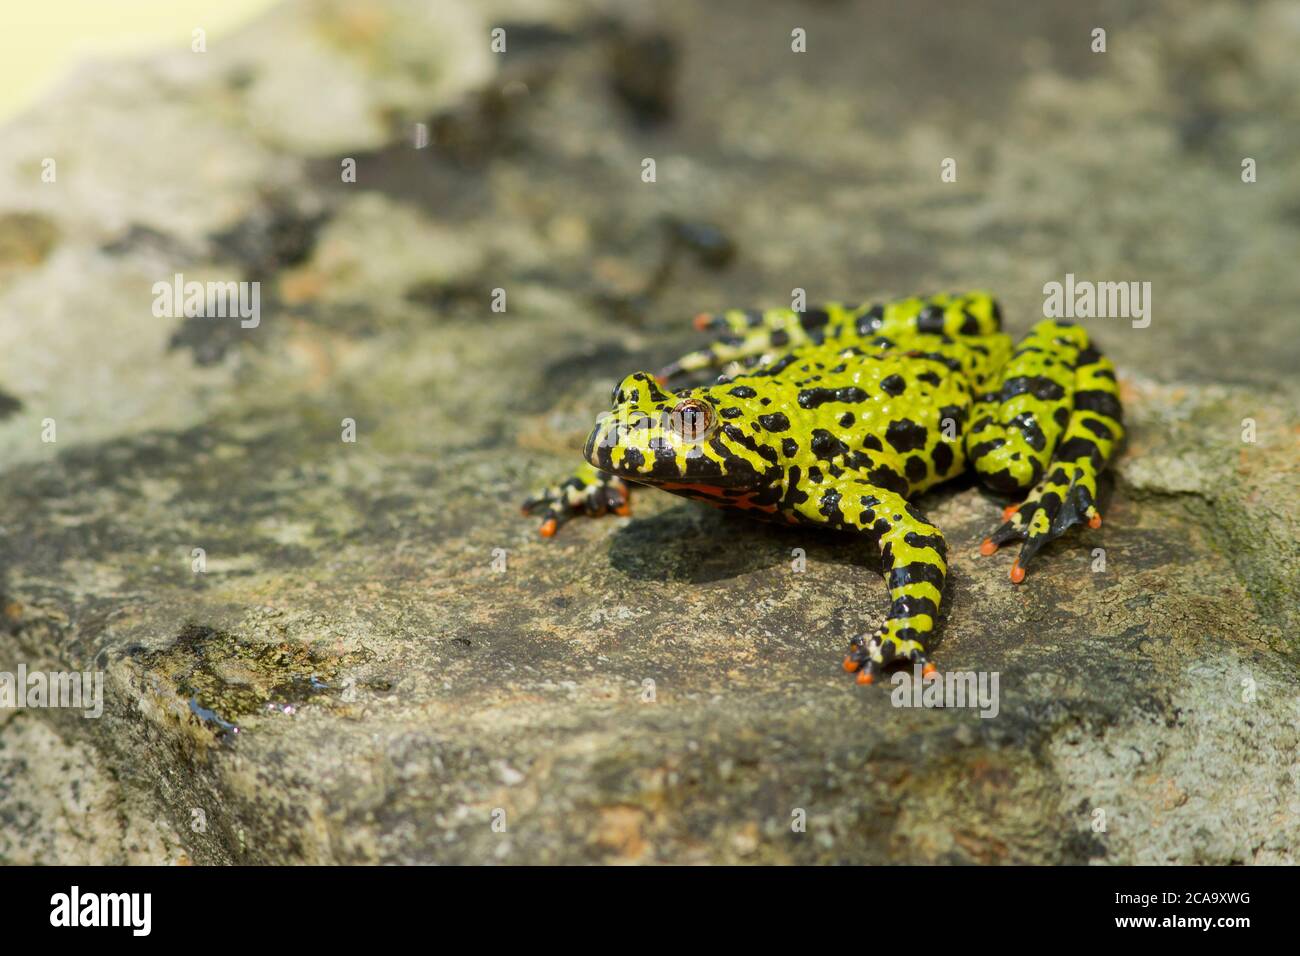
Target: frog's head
x,y
682,439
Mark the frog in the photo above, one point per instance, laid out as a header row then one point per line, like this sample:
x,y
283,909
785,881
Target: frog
x,y
837,416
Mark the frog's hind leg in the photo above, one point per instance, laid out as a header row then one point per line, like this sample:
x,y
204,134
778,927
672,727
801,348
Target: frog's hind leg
x,y
743,338
1051,426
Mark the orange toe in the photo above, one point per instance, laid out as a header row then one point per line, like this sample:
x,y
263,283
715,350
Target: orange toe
x,y
702,321
1008,511
988,547
1095,521
549,527
929,670
1017,573
851,665
623,510
864,677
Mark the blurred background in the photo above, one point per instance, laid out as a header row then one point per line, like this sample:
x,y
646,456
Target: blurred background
x,y
41,42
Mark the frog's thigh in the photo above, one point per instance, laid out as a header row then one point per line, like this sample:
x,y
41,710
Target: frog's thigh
x,y
1016,426
969,314
1090,430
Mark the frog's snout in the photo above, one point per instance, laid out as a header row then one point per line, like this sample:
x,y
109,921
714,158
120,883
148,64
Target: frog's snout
x,y
589,450
605,437
637,403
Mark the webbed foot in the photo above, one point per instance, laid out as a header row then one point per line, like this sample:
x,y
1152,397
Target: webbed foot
x,y
1063,499
869,656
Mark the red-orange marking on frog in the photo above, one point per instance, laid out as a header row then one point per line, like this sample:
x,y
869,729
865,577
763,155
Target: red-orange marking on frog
x,y
719,497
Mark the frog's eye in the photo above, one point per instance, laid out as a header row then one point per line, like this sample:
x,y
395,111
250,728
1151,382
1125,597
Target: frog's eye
x,y
692,419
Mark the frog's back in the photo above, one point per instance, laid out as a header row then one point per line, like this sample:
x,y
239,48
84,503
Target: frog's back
x,y
897,416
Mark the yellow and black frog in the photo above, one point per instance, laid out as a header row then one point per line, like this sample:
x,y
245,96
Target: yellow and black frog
x,y
838,415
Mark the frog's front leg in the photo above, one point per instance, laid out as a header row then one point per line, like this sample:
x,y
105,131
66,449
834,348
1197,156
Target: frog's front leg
x,y
913,559
588,491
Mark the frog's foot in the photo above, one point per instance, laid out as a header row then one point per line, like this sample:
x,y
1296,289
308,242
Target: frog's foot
x,y
869,656
589,491
1066,497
